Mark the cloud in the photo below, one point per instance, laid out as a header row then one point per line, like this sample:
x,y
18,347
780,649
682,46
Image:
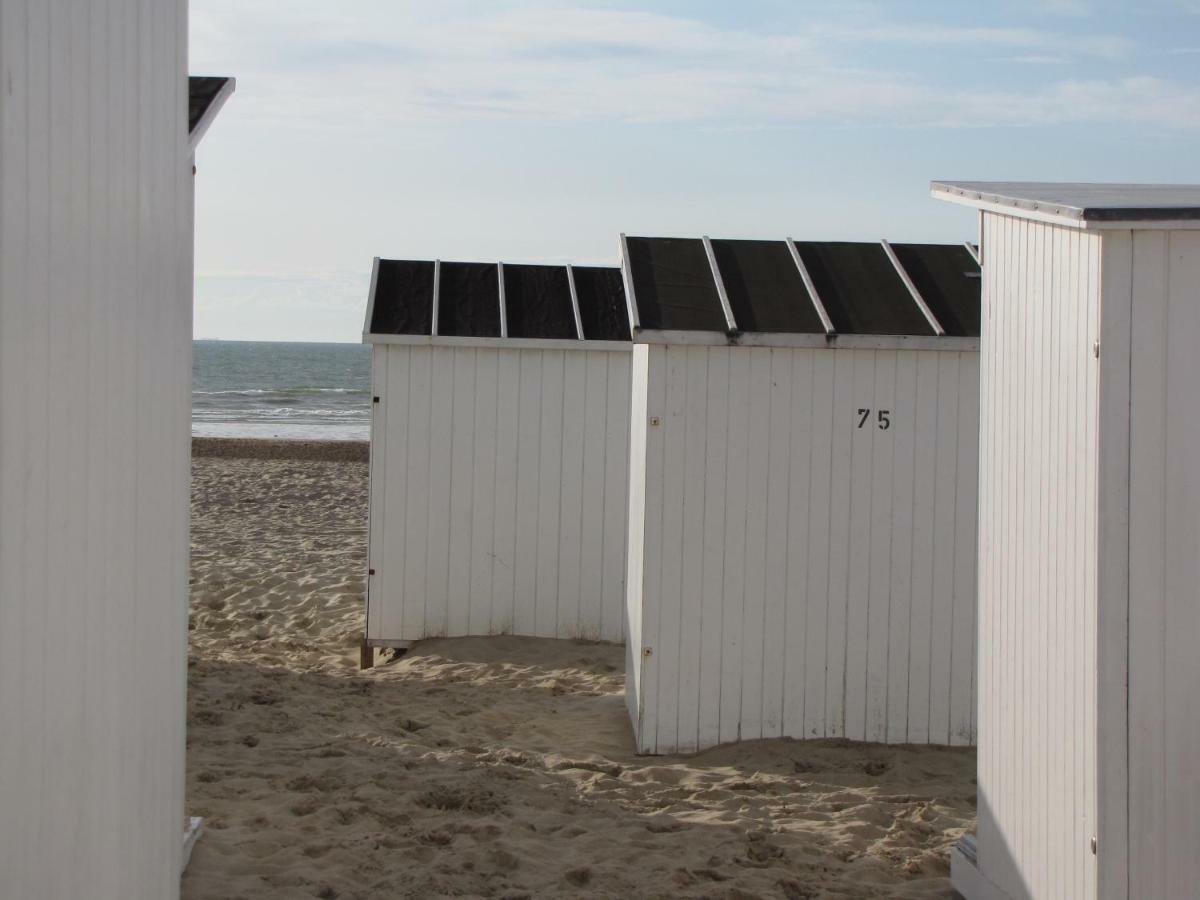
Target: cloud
x,y
317,67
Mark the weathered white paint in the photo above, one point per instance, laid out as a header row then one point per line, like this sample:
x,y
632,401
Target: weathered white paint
x,y
1089,511
95,350
498,491
1038,558
794,574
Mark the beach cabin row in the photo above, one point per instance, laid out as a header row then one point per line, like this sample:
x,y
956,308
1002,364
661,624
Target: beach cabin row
x,y
753,461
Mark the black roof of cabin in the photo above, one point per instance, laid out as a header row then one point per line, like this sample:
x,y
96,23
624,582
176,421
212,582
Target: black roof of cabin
x,y
862,288
202,91
537,300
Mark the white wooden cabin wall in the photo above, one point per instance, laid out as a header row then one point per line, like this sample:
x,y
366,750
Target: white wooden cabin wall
x,y
1164,517
1038,558
95,351
800,575
499,490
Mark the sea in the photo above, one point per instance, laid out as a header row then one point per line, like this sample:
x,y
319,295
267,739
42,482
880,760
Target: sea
x,y
266,389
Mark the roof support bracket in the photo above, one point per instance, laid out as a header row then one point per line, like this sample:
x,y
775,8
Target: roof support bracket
x,y
574,302
912,290
500,293
720,283
627,276
822,313
437,285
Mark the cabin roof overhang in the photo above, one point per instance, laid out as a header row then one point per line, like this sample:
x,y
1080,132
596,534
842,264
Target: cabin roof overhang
x,y
206,95
1086,206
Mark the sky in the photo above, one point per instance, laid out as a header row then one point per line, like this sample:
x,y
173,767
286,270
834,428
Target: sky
x,y
539,131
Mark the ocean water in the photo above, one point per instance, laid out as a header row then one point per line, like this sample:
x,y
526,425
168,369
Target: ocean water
x,y
281,390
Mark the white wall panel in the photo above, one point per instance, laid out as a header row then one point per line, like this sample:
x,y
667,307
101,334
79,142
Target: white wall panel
x,y
95,350
1164,617
806,569
1037,584
499,492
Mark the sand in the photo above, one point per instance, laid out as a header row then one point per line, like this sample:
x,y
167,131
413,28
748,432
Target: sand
x,y
488,767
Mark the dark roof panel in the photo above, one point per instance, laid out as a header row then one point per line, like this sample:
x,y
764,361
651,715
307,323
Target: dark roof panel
x,y
765,290
538,302
861,290
948,280
603,312
469,300
202,91
403,297
673,285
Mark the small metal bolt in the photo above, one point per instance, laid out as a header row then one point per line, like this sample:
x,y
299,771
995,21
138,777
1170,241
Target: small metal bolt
x,y
655,421
370,571
647,651
374,399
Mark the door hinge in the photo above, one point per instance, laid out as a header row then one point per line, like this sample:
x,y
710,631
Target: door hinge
x,y
1093,845
1096,349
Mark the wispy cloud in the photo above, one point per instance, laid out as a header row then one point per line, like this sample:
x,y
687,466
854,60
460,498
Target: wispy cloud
x,y
390,62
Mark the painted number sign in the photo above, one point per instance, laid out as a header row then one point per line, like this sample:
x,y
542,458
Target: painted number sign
x,y
883,418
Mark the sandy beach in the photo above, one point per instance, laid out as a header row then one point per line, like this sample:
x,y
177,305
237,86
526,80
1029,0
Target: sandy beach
x,y
486,767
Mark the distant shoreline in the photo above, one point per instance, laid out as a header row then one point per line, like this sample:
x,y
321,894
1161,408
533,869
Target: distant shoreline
x,y
281,448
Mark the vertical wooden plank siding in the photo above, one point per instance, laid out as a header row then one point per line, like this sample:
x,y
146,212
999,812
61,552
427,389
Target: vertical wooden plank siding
x,y
635,556
95,379
784,550
499,492
1037,578
1164,568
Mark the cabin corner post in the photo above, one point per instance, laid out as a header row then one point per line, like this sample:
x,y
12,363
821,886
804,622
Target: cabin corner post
x,y
635,547
1111,345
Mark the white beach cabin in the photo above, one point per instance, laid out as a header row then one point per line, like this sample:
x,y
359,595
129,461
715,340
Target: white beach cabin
x,y
802,491
1089,623
95,382
499,451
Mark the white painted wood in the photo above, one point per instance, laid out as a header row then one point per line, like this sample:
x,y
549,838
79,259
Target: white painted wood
x,y
495,343
499,492
912,289
191,833
719,282
779,544
95,372
575,302
210,114
1164,718
809,286
434,307
370,314
630,298
503,306
1087,622
715,441
507,472
635,560
793,340
1038,561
